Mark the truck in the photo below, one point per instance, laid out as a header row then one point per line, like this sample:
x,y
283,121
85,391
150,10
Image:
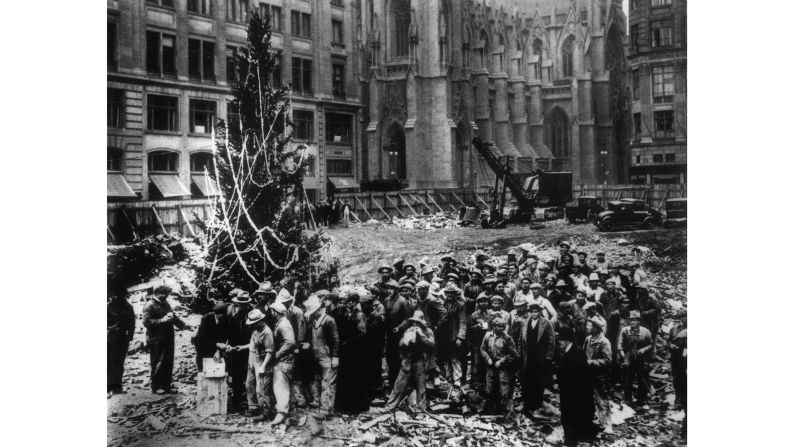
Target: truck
x,y
530,190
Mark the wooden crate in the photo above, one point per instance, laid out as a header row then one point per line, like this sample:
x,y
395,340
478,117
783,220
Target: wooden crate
x,y
211,389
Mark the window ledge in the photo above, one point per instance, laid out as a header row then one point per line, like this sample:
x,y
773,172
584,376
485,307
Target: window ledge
x,y
164,172
202,135
175,133
199,15
303,38
165,8
338,45
298,140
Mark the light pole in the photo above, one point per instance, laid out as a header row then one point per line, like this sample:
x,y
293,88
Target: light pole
x,y
605,173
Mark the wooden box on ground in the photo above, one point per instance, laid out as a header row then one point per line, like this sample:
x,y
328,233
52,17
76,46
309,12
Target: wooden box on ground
x,y
211,388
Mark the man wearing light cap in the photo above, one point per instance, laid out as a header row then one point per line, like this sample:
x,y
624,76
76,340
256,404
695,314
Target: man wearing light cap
x,y
635,350
385,272
499,352
518,319
284,346
259,380
301,374
398,310
452,336
432,306
497,309
559,294
548,310
472,290
599,358
538,341
325,347
415,345
578,279
428,273
594,290
611,298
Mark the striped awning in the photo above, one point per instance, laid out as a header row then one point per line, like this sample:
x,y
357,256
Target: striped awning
x,y
169,185
118,186
204,184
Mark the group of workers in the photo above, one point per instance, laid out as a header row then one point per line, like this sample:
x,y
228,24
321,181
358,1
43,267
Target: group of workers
x,y
590,324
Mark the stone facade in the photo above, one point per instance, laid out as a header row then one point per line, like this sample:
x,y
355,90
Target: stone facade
x,y
545,80
323,34
657,56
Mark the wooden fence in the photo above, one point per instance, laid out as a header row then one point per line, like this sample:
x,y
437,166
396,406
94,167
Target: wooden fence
x,y
410,202
129,220
654,195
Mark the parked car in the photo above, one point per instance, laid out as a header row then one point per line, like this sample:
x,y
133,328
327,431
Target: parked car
x,y
675,212
628,213
583,208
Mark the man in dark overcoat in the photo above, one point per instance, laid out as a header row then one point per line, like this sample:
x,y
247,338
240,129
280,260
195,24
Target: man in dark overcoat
x,y
160,321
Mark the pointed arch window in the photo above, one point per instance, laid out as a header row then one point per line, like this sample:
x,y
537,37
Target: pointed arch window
x,y
558,134
567,57
537,50
401,20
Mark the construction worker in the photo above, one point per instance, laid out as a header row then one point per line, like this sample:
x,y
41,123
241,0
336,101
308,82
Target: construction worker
x,y
497,311
499,353
239,340
352,373
415,345
160,321
635,349
284,357
577,278
120,330
676,343
586,269
478,325
538,340
611,297
549,312
259,380
301,374
594,290
576,391
599,358
559,294
385,273
374,315
452,336
600,263
398,310
212,335
325,347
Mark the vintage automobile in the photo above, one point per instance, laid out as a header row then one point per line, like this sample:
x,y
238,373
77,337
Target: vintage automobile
x,y
675,212
628,214
583,208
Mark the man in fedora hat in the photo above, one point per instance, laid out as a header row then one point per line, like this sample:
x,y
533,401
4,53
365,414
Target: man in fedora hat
x,y
428,273
160,321
478,325
500,354
259,380
264,296
325,346
559,294
284,357
452,335
453,279
635,350
239,340
599,357
397,272
212,336
409,271
538,341
385,272
398,309
301,374
415,345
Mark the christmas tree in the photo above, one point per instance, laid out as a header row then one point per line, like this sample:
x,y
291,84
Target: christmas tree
x,y
262,228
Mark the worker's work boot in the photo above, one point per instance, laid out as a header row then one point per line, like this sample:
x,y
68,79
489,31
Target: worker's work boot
x,y
278,419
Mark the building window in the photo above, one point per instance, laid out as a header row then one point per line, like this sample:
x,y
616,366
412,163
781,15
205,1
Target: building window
x,y
202,116
339,167
203,7
112,38
301,24
663,125
336,30
663,84
658,158
661,2
636,159
635,84
201,60
201,161
163,3
162,113
302,75
304,124
275,75
338,80
635,37
160,53
275,15
231,65
558,135
583,15
567,58
115,108
162,161
115,159
401,20
637,125
237,11
338,128
661,33
669,158
232,116
635,4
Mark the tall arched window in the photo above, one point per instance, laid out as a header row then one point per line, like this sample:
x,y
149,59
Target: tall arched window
x,y
567,57
558,134
537,50
484,49
401,20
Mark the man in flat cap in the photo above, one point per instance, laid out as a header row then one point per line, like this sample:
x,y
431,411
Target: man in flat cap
x,y
301,372
160,321
259,381
415,346
564,260
583,265
499,352
212,335
398,310
472,290
611,297
599,358
616,322
635,350
385,273
324,336
452,336
497,308
478,325
548,310
538,341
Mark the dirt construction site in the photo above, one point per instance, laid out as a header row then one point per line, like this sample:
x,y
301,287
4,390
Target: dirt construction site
x,y
141,418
